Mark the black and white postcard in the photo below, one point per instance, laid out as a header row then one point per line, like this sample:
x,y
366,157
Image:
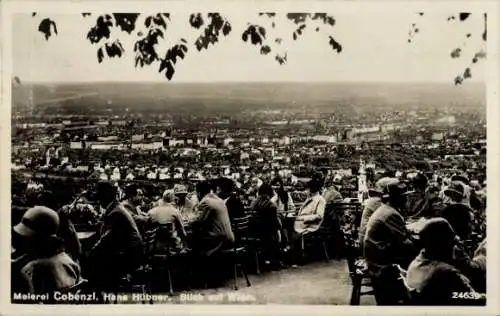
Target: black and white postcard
x,y
309,156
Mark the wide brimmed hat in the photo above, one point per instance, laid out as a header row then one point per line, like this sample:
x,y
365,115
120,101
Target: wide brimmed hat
x,y
394,187
380,185
180,189
39,221
437,231
462,177
455,188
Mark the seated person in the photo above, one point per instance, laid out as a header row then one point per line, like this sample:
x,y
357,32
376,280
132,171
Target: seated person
x,y
387,242
371,205
120,249
312,211
212,228
40,265
432,274
459,215
265,224
167,213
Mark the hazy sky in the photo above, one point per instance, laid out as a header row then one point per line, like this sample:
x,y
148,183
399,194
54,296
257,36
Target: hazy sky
x,y
375,49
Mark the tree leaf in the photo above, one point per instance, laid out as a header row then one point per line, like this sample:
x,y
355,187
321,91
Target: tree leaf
x,y
86,14
456,53
148,21
244,36
33,14
281,59
46,27
335,45
297,17
100,55
226,29
196,20
170,71
458,80
463,16
163,65
467,73
264,50
262,31
485,17
126,21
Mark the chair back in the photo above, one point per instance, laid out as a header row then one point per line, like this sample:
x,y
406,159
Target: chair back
x,y
166,237
240,227
79,287
149,239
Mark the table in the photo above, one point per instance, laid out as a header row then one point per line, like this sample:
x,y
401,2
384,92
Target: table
x,y
416,226
85,235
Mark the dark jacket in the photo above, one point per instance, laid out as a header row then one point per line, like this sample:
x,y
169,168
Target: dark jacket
x,y
264,219
387,241
119,249
235,207
460,218
67,233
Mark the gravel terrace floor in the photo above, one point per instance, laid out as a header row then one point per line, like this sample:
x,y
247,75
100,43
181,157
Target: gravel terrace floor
x,y
314,283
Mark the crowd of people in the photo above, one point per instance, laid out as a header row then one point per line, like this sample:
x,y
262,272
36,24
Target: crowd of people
x,y
432,228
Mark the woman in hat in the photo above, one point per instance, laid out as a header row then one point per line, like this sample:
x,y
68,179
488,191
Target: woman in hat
x,y
312,211
40,265
456,213
432,273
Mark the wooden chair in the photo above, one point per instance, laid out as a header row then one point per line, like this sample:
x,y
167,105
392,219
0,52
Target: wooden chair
x,y
238,253
358,274
140,280
252,242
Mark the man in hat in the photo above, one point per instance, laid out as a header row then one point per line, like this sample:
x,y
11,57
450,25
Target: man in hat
x,y
387,241
432,274
371,205
183,201
456,213
40,265
120,248
416,201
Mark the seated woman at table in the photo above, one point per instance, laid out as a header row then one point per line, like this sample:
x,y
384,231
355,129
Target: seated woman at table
x,y
432,273
39,264
283,199
311,213
310,216
456,213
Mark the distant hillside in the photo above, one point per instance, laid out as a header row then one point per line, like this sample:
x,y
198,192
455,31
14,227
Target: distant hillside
x,y
242,95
